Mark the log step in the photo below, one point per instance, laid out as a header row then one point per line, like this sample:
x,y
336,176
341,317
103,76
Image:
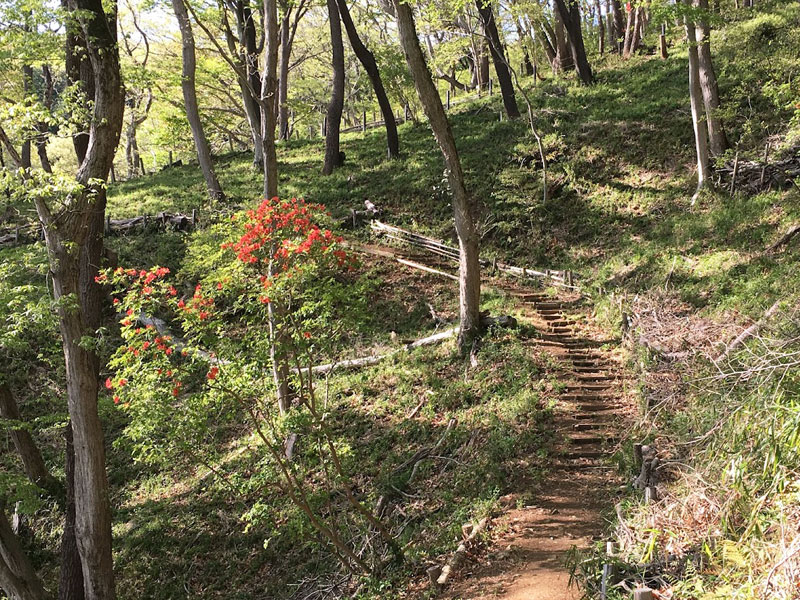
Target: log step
x,y
584,387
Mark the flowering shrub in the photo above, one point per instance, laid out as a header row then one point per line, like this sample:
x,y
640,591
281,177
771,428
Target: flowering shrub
x,y
180,382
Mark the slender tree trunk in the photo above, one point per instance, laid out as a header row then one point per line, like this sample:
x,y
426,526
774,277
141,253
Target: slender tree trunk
x,y
601,29
636,31
483,65
463,205
250,83
32,461
283,78
334,116
708,84
546,37
269,91
190,101
132,147
696,97
70,580
619,26
17,576
563,54
367,60
571,17
499,59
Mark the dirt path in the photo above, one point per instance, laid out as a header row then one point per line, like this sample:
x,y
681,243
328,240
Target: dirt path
x,y
526,561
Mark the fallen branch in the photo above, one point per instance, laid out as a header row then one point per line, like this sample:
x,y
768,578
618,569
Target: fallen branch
x,y
368,361
785,238
749,332
461,551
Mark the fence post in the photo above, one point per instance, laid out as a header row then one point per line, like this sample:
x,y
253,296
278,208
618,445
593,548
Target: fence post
x,y
364,122
141,165
170,158
194,218
662,40
490,86
643,593
405,113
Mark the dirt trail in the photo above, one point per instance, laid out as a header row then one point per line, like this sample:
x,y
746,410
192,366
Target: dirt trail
x,y
526,561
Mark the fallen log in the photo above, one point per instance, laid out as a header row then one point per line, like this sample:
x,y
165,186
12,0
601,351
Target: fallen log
x,y
785,238
461,551
368,361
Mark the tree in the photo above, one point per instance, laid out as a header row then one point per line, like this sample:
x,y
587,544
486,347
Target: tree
x,y
500,66
696,98
469,281
708,83
601,28
190,101
367,60
289,23
333,157
17,576
571,17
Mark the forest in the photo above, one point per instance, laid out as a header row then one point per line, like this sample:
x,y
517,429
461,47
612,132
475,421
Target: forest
x,y
393,299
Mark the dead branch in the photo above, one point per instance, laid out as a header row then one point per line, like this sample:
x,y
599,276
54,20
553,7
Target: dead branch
x,y
461,551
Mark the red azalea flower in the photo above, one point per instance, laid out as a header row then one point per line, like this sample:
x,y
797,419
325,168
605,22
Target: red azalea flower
x,y
109,383
212,372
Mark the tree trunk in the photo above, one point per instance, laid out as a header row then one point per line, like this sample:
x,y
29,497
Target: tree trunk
x,y
483,65
708,84
463,205
17,576
190,101
626,45
696,97
269,90
601,29
499,59
79,225
545,36
132,147
572,22
563,54
367,60
284,129
333,158
619,26
70,580
32,461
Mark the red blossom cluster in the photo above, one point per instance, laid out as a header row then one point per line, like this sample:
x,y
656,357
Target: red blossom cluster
x,y
277,229
198,305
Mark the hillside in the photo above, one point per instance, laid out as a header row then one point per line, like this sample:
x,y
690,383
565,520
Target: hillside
x,y
200,509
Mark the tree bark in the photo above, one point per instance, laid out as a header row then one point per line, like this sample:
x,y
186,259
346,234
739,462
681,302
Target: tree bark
x,y
284,130
571,17
367,60
79,225
619,26
334,115
249,78
499,59
696,98
190,101
70,579
463,205
563,53
601,29
269,91
708,84
17,576
32,461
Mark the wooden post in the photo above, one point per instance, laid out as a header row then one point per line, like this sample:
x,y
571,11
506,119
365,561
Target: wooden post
x,y
324,126
650,494
735,172
194,218
16,235
108,224
230,143
490,86
501,116
448,99
604,582
364,122
662,40
764,167
535,73
643,593
170,158
141,165
405,114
